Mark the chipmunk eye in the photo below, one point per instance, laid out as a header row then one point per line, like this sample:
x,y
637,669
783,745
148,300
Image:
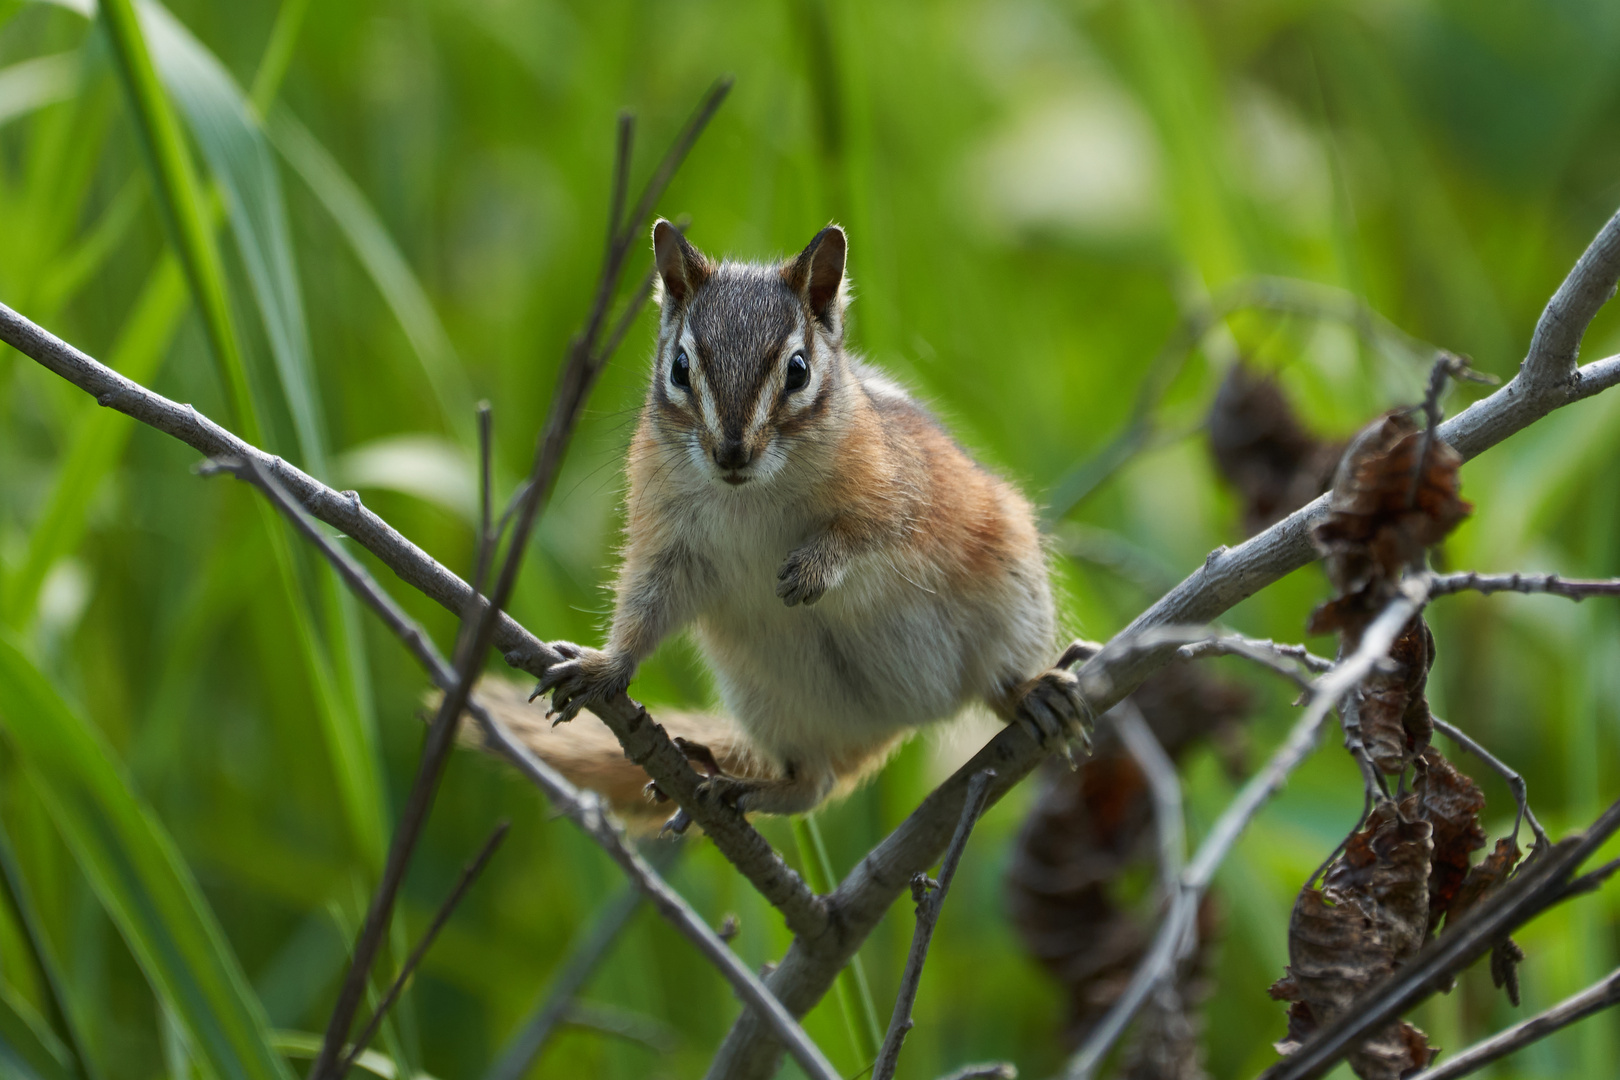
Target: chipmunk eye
x,y
680,372
798,372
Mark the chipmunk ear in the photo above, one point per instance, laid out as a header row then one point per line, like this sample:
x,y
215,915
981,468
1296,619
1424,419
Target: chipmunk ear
x,y
681,267
817,274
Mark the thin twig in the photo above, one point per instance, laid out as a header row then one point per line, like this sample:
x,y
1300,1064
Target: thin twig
x,y
582,961
584,809
584,363
1552,584
644,741
469,874
930,897
1199,642
994,1070
1447,366
486,537
1594,999
1546,382
1165,787
1515,782
1177,932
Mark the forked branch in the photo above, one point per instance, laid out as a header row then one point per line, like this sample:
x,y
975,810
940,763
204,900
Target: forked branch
x,y
585,809
1225,578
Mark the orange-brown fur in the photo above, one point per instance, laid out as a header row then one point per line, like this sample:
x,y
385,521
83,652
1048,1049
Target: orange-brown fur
x,y
772,471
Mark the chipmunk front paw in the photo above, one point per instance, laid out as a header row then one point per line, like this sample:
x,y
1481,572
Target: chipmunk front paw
x,y
805,575
584,677
1056,711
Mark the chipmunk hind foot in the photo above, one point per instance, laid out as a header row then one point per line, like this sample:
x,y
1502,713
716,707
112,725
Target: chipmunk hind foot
x,y
1052,708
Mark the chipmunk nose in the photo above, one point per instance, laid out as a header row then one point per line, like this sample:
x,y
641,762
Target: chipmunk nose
x,y
731,454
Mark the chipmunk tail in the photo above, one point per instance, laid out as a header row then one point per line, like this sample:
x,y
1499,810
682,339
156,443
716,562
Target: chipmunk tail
x,y
586,752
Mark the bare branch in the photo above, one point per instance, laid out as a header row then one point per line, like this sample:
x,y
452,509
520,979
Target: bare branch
x,y
1272,655
1165,786
1177,933
1594,999
1557,340
930,897
1551,584
583,808
468,875
1515,782
486,536
997,1070
584,364
644,741
1546,878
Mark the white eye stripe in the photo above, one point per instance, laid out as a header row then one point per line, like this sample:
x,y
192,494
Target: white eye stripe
x,y
698,376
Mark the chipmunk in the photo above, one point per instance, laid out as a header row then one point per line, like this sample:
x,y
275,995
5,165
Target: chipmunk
x,y
851,573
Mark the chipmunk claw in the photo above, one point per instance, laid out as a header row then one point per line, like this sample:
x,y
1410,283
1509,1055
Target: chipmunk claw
x,y
804,577
727,790
587,676
678,823
1056,713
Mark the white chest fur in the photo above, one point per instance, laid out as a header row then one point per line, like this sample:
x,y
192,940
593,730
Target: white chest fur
x,y
879,653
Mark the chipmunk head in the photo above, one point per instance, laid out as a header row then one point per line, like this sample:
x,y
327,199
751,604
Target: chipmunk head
x,y
750,357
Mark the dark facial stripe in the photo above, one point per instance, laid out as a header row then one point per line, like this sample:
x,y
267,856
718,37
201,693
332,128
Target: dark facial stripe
x,y
790,424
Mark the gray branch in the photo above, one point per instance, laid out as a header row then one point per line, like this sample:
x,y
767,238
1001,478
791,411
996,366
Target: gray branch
x,y
1226,577
1177,934
1594,999
583,808
1557,341
1550,584
930,899
829,930
644,741
1168,820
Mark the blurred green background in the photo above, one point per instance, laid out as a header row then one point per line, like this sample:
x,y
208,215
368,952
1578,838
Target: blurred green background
x,y
1035,193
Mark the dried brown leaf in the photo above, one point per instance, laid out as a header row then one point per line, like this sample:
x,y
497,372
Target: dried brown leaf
x,y
1483,880
1385,510
1451,803
1389,706
1371,913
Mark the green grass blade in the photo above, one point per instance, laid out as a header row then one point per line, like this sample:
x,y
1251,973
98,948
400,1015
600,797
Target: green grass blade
x,y
62,1016
304,1044
176,187
62,279
33,84
137,874
382,259
350,736
227,131
98,441
277,54
238,158
27,1050
854,993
